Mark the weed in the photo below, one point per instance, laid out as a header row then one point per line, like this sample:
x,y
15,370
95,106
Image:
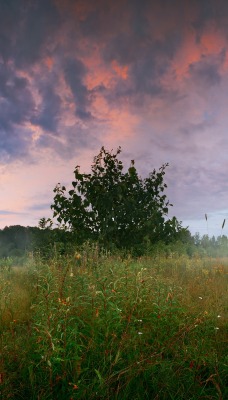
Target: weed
x,y
101,327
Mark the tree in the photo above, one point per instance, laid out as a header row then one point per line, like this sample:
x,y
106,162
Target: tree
x,y
45,223
115,208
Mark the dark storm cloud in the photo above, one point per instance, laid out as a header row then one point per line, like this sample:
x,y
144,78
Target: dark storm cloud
x,y
76,139
207,12
16,98
49,114
92,24
12,146
40,21
102,18
26,29
75,73
128,48
148,62
147,72
147,56
16,108
126,36
123,32
10,16
206,71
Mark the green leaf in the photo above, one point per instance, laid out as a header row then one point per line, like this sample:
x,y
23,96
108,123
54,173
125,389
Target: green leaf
x,y
114,208
99,375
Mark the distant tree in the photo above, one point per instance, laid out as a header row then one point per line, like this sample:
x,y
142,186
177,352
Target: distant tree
x,y
45,223
116,208
184,236
197,239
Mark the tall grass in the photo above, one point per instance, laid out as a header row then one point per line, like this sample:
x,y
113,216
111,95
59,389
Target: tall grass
x,y
99,327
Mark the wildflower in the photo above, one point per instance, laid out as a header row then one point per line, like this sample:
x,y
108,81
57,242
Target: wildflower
x,y
77,256
169,297
74,387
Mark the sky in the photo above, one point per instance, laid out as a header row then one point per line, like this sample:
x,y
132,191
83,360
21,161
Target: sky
x,y
149,76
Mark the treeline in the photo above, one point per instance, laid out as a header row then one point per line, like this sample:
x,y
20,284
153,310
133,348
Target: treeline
x,y
115,209
211,246
18,241
197,246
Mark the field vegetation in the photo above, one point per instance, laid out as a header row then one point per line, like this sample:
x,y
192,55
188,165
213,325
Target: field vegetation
x,y
92,325
117,301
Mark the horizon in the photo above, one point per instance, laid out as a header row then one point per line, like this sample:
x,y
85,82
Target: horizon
x,y
56,225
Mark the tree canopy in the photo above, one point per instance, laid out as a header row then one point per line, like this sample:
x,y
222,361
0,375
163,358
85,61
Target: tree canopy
x,y
117,208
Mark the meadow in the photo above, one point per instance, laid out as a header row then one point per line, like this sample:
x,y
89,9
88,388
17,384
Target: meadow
x,y
96,326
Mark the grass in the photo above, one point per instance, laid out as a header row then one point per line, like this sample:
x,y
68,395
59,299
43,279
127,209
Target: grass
x,y
99,327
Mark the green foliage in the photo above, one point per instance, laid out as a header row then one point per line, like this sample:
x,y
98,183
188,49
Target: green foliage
x,y
45,223
108,328
117,209
211,246
17,241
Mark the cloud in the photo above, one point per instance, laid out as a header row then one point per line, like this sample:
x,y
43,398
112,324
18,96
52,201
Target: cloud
x,y
39,207
149,76
27,29
76,139
75,72
39,21
16,108
10,14
206,72
16,97
209,13
50,110
6,212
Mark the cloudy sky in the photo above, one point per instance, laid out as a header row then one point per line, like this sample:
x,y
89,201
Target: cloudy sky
x,y
149,76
